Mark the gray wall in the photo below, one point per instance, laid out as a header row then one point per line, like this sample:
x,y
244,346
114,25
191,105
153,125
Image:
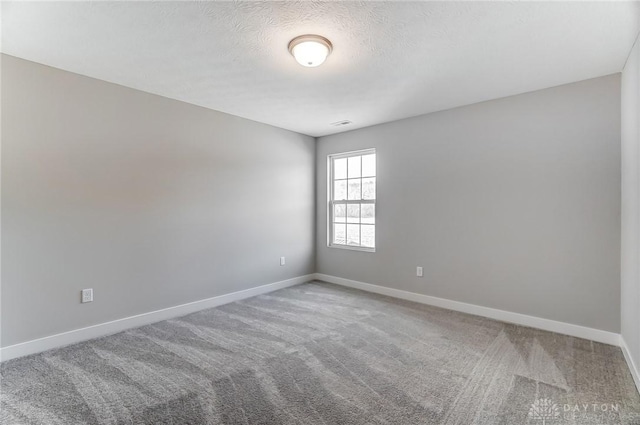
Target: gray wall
x,y
631,204
512,204
150,201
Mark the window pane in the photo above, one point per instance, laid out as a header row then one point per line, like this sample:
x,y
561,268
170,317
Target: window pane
x,y
368,213
340,168
340,234
355,189
353,213
353,234
339,190
369,188
339,213
352,205
354,166
369,165
368,236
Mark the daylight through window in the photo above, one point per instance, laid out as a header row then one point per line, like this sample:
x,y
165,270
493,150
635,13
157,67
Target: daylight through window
x,y
352,200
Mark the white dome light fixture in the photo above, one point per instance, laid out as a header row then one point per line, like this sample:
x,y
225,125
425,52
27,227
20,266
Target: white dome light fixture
x,y
310,50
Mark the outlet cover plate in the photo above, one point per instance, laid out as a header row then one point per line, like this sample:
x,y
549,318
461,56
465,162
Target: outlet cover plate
x,y
87,295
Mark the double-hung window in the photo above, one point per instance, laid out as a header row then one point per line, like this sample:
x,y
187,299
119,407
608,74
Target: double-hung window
x,y
352,200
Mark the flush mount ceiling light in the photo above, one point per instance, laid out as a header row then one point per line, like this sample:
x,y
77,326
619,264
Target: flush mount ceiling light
x,y
310,50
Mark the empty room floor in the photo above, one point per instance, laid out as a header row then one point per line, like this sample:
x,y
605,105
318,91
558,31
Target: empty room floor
x,y
322,354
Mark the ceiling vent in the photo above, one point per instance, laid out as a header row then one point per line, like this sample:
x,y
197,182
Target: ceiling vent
x,y
340,123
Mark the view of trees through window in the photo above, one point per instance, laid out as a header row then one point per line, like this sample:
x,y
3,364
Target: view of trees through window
x,y
352,203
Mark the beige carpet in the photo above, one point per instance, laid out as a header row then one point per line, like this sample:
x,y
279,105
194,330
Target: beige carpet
x,y
322,354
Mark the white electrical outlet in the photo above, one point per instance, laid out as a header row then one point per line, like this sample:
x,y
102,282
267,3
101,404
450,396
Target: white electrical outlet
x,y
87,295
419,271
282,261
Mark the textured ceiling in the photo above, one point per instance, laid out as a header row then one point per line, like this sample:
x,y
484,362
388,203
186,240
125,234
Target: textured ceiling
x,y
391,60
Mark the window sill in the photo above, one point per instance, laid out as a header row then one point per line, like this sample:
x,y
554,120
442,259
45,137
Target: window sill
x,y
352,248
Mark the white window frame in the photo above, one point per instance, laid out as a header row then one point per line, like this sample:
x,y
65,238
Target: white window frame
x,y
331,202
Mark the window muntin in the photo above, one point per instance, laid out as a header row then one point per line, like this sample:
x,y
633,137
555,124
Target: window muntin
x,y
352,200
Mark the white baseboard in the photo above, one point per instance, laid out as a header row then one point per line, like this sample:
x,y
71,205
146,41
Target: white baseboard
x,y
108,328
492,313
633,368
